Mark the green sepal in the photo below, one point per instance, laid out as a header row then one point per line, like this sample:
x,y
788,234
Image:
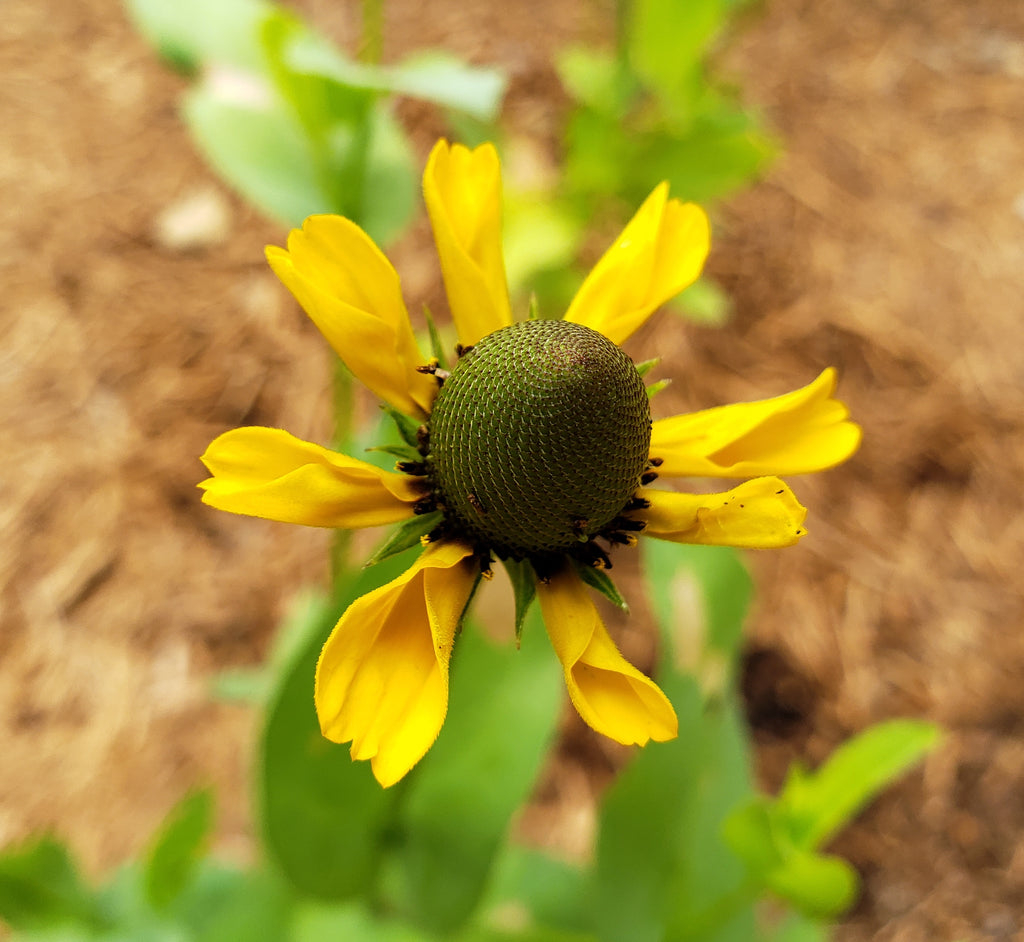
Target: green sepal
x,y
644,368
407,533
533,313
657,387
524,588
401,452
436,346
600,580
408,428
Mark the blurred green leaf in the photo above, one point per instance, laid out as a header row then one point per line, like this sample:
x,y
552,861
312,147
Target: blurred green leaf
x,y
177,848
431,76
663,870
193,33
722,152
816,805
316,922
537,234
447,81
642,821
234,906
323,815
798,928
40,888
667,49
778,838
704,302
390,187
815,884
596,79
250,138
503,712
551,891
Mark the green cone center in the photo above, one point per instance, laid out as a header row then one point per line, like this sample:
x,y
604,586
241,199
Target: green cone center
x,y
538,438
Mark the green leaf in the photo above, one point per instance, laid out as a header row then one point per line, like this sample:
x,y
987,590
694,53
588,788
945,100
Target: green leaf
x,y
537,234
447,81
429,76
595,79
722,152
551,891
663,870
798,928
407,534
225,905
502,716
437,348
177,848
323,815
667,49
600,580
701,594
816,805
401,452
643,820
349,923
250,138
390,187
657,387
40,888
408,428
815,884
192,33
704,302
524,588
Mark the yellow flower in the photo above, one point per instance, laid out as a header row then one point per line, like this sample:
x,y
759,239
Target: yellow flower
x,y
538,445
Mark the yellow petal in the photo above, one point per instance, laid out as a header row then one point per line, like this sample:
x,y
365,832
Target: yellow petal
x,y
659,253
802,431
265,472
462,189
609,693
758,514
352,293
382,678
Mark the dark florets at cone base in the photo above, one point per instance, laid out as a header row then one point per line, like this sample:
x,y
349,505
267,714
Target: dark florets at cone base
x,y
538,438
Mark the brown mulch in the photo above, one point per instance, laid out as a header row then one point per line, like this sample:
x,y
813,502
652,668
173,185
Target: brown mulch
x,y
887,241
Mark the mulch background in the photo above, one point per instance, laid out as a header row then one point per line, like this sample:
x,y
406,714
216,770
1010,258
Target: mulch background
x,y
888,241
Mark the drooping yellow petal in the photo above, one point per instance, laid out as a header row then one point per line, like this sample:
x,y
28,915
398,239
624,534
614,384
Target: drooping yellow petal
x,y
462,189
758,514
802,431
352,293
609,693
659,253
382,678
266,472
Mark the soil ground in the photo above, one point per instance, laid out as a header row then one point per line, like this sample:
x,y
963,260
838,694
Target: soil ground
x,y
887,241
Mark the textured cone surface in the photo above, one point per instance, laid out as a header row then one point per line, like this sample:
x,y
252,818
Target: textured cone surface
x,y
539,435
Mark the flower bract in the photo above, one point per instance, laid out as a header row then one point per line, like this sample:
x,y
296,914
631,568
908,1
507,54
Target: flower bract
x,y
536,447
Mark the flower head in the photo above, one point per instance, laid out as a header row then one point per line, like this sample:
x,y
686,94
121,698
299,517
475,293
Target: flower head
x,y
536,446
